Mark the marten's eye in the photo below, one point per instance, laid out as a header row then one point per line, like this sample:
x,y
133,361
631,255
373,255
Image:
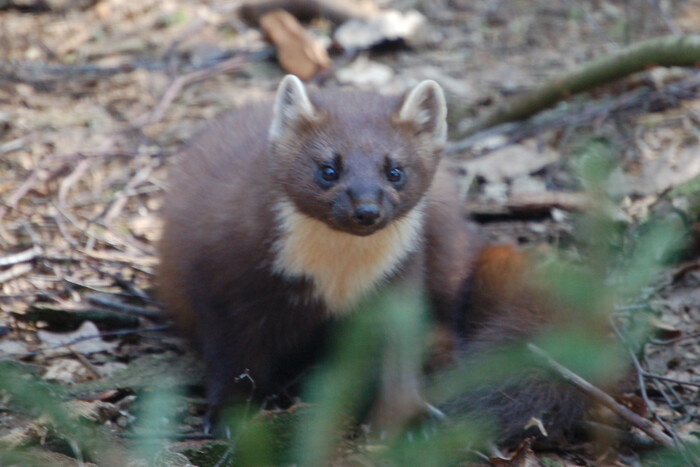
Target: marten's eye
x,y
329,174
395,175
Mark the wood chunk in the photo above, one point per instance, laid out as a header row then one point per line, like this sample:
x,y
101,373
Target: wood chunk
x,y
297,51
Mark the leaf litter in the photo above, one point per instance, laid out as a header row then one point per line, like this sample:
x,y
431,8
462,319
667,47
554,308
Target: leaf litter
x,y
91,112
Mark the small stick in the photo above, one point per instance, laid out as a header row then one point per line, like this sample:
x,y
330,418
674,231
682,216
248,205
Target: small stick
x,y
21,257
18,194
181,82
128,309
86,363
71,179
130,287
642,423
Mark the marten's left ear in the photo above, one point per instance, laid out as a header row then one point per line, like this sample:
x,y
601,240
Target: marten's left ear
x,y
424,106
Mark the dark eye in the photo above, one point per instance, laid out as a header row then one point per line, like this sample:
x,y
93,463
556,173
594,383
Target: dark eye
x,y
394,175
328,173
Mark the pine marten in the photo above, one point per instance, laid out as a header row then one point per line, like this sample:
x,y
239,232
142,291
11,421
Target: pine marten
x,y
283,216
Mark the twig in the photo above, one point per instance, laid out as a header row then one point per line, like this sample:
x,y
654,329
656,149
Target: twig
x,y
128,309
14,199
145,261
121,197
179,83
21,257
643,424
86,363
130,287
642,386
103,291
15,144
129,240
71,179
63,231
19,193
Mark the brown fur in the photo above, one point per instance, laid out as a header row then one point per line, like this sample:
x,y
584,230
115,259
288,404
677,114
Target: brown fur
x,y
238,263
258,256
505,304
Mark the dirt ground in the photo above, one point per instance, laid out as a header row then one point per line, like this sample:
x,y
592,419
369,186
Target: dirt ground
x,y
96,99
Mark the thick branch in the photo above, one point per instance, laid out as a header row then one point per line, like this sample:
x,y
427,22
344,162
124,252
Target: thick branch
x,y
664,51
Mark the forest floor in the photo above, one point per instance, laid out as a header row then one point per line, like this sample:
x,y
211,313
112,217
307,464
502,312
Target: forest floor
x,y
97,98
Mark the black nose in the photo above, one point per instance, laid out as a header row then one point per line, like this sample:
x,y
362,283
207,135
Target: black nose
x,y
366,214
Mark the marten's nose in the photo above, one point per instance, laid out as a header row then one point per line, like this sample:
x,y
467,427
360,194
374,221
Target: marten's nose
x,y
366,214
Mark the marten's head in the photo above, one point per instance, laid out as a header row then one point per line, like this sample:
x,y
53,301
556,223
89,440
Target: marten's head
x,y
356,161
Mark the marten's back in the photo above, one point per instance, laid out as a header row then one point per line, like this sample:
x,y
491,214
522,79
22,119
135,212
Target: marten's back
x,y
215,189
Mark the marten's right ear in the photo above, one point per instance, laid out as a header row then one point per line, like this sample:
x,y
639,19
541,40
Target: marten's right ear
x,y
424,107
292,107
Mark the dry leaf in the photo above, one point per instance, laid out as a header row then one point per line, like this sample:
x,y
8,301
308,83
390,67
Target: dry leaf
x,y
298,52
511,161
84,340
8,347
66,371
663,330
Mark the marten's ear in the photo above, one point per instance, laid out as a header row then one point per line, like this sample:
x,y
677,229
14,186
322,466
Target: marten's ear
x,y
292,106
424,106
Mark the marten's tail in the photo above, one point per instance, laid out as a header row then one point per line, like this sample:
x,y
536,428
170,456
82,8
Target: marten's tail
x,y
503,305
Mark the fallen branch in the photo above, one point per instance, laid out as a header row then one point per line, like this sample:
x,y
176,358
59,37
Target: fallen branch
x,y
664,51
600,396
635,101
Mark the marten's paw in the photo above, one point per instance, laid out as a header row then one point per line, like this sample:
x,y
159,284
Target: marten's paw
x,y
404,411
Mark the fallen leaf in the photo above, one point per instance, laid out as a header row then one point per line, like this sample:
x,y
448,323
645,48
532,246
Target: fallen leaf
x,y
86,340
386,26
511,161
66,371
9,347
664,331
298,51
665,169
